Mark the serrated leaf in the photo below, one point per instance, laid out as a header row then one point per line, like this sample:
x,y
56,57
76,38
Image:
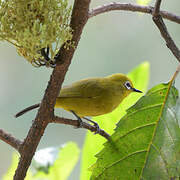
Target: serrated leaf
x,y
147,140
93,144
67,158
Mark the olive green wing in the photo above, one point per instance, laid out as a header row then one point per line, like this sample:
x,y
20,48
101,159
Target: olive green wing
x,y
88,88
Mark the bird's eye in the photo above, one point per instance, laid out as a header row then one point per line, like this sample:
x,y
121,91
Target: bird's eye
x,y
127,85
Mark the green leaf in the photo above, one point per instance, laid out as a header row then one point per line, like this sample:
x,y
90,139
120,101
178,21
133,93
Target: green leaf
x,y
147,140
49,163
9,175
93,144
143,2
63,165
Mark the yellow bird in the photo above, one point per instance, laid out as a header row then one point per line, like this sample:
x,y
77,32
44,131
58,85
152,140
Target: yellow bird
x,y
92,96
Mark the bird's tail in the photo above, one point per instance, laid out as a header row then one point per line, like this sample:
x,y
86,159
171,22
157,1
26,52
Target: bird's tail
x,y
27,109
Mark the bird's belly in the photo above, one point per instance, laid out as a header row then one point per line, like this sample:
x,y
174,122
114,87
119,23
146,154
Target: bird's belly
x,y
86,106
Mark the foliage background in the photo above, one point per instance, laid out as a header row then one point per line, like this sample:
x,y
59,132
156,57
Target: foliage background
x,y
113,42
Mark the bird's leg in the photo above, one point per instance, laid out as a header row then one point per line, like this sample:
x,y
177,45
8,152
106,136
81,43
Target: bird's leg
x,y
95,124
78,118
80,122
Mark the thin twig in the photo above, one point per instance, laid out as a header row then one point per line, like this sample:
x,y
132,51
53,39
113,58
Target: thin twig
x,y
163,30
9,139
26,110
132,7
85,125
176,72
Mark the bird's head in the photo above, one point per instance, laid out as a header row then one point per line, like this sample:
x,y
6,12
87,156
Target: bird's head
x,y
123,83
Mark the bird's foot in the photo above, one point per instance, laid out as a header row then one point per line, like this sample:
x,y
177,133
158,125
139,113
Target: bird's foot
x,y
97,128
80,123
95,125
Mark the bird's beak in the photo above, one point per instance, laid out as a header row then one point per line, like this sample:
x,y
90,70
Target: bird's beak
x,y
136,90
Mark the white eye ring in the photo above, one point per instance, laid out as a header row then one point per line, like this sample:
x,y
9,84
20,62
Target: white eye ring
x,y
127,85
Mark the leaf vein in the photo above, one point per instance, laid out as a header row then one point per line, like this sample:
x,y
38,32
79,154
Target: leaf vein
x,y
129,155
144,108
161,155
157,91
139,127
165,124
160,114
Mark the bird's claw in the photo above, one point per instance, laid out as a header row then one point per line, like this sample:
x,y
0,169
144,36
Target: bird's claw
x,y
80,123
97,131
97,128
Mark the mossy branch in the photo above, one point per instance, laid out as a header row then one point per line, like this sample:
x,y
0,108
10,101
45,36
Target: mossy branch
x,y
46,110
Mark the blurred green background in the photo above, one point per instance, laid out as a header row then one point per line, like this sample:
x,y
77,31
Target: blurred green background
x,y
111,43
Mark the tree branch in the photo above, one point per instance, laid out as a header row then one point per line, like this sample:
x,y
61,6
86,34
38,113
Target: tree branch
x,y
9,139
163,30
131,7
75,123
156,8
46,110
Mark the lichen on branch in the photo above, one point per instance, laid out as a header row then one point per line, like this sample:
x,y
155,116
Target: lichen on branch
x,y
31,25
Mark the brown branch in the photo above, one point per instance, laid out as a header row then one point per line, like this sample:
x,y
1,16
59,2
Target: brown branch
x,y
46,110
131,7
156,8
9,139
85,125
163,30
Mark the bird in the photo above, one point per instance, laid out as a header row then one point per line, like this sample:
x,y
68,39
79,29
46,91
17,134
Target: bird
x,y
92,96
